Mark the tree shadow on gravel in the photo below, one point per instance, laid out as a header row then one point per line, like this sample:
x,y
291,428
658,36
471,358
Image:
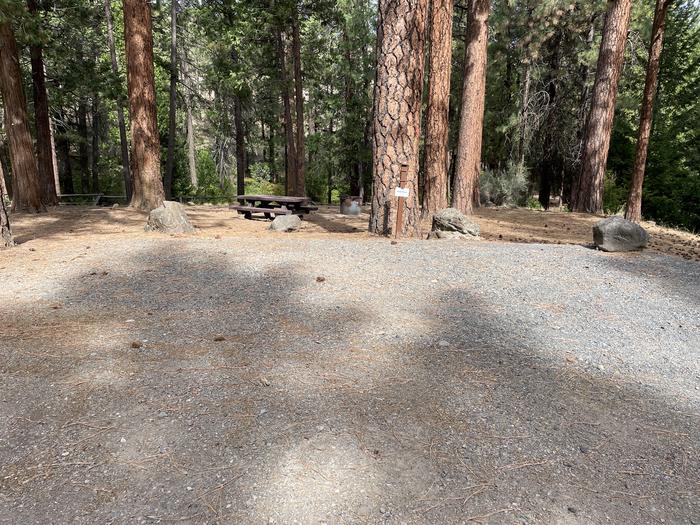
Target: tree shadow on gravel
x,y
202,384
677,277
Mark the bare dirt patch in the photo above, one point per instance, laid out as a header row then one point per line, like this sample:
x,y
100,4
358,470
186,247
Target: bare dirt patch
x,y
497,225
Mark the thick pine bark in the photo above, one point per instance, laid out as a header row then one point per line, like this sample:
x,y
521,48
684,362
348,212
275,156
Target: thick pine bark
x,y
300,181
397,114
170,162
145,155
437,118
587,194
126,174
465,194
634,201
291,164
26,190
45,165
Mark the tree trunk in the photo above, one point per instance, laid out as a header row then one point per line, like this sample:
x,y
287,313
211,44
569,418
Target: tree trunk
x,y
241,167
634,201
148,190
522,140
5,230
83,147
437,119
95,169
587,194
43,126
291,165
300,182
465,194
126,175
191,150
170,162
3,187
63,153
26,190
397,114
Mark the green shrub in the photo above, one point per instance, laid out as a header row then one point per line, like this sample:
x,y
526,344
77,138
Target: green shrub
x,y
533,203
504,186
614,196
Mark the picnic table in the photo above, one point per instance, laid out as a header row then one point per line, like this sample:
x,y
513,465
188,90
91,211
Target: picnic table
x,y
270,205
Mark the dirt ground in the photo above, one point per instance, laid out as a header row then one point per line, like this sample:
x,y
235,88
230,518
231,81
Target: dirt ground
x,y
240,376
497,224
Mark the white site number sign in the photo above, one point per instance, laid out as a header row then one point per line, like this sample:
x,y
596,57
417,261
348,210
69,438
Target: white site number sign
x,y
401,192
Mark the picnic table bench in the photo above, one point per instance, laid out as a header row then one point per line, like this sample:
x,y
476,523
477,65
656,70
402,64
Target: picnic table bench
x,y
270,205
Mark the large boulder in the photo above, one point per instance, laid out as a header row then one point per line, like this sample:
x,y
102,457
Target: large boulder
x,y
169,218
451,223
285,223
616,234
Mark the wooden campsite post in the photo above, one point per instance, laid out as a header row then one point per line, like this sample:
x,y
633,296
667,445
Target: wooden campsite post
x,y
401,193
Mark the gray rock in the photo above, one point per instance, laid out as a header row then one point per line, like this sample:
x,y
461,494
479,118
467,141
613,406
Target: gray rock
x,y
616,234
451,223
169,218
285,223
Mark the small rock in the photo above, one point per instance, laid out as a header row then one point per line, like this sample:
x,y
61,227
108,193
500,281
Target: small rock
x,y
584,449
442,343
136,344
285,223
572,510
320,279
219,338
122,440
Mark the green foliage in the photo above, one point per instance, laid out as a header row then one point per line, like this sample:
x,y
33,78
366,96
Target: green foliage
x,y
504,187
533,204
671,193
614,196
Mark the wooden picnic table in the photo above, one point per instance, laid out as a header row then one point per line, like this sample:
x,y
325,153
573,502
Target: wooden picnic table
x,y
270,205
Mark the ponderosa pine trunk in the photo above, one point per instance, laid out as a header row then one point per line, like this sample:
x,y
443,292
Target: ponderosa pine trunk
x,y
397,114
437,119
587,191
465,194
170,162
45,165
291,164
148,190
126,174
634,201
300,180
26,190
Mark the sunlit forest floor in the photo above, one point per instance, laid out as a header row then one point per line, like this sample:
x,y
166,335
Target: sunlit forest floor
x,y
237,376
497,224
